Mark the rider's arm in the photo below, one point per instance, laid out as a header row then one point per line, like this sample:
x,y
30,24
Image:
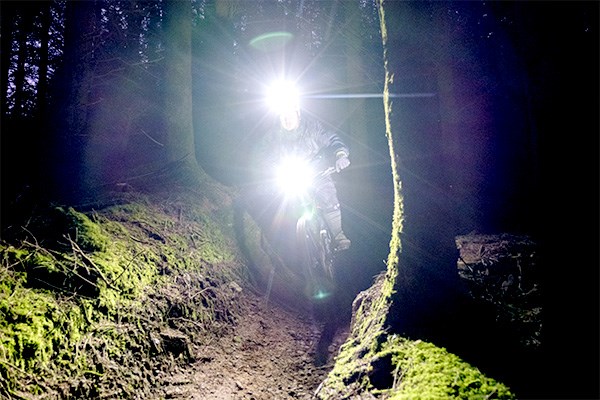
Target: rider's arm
x,y
329,139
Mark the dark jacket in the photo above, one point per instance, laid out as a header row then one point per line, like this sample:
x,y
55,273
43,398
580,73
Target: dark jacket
x,y
307,141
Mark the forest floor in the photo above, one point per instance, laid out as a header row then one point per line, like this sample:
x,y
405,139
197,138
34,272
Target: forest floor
x,y
222,339
273,352
207,330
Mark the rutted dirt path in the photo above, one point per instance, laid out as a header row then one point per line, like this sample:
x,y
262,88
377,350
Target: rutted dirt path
x,y
272,353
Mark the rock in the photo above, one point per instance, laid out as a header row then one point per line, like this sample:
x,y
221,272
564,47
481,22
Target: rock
x,y
502,270
176,343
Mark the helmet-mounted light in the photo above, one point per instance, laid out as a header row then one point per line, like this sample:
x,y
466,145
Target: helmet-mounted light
x,y
283,97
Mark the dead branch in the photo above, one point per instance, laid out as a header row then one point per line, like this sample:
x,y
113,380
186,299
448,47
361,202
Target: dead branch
x,y
127,266
151,138
89,262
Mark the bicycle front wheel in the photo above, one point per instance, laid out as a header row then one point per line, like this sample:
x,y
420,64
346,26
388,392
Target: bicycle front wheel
x,y
315,259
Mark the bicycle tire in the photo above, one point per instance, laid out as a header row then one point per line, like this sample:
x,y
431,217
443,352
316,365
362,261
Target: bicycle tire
x,y
326,255
314,245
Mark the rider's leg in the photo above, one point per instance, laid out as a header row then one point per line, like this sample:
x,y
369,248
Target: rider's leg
x,y
327,197
333,218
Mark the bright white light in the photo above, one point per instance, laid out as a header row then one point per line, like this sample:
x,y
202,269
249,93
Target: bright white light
x,y
294,176
283,96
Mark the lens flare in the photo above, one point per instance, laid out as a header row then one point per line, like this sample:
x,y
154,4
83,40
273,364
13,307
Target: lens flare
x,y
294,176
283,96
271,41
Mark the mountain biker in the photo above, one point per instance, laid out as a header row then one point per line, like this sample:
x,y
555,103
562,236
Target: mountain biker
x,y
298,134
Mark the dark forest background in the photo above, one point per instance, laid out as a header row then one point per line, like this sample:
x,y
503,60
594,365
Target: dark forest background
x,y
495,114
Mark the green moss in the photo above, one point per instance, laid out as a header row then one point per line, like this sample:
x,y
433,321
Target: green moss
x,y
425,371
34,327
23,334
12,260
83,231
408,369
80,300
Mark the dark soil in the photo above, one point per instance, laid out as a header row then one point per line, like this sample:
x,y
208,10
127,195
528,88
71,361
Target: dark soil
x,y
273,352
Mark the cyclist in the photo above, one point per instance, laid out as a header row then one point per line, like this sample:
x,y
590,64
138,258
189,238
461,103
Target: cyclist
x,y
298,134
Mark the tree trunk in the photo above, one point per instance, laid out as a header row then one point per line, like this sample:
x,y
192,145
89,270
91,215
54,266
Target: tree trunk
x,y
7,15
355,72
19,81
42,87
70,118
179,146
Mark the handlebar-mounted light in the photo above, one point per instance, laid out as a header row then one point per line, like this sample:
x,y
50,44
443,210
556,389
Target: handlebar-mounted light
x,y
294,176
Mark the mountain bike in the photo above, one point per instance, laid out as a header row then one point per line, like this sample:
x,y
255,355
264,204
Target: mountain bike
x,y
314,242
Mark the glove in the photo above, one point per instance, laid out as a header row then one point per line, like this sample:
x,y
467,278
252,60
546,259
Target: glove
x,y
342,161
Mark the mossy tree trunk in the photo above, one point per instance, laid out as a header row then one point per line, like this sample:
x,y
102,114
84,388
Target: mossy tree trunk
x,y
398,214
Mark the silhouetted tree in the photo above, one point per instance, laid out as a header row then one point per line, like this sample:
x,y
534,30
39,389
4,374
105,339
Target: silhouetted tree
x,y
179,146
73,88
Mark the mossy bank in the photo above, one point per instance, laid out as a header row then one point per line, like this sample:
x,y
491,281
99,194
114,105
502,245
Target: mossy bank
x,y
107,301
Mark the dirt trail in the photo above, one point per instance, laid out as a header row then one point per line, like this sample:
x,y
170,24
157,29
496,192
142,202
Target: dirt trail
x,y
272,353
